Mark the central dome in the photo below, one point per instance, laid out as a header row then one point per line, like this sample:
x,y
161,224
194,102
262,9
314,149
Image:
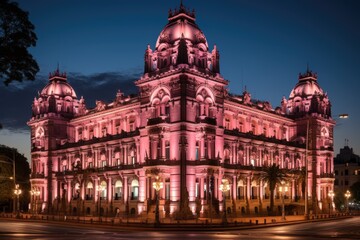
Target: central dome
x,y
181,25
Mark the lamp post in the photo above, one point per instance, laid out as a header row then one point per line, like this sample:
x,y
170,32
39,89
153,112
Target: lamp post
x,y
157,185
283,189
224,187
99,189
35,193
347,196
331,195
306,213
17,192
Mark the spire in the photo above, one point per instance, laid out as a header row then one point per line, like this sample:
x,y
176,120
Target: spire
x,y
182,57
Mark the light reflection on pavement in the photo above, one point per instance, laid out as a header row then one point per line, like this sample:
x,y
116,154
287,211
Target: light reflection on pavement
x,y
348,228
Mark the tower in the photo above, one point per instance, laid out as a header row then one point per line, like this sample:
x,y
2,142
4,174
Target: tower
x,y
310,107
51,111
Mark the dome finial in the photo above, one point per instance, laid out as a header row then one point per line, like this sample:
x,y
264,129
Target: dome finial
x,y
57,74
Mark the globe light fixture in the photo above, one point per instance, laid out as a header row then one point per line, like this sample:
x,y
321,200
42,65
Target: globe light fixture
x,y
331,195
35,193
157,185
283,188
347,196
17,192
100,189
224,187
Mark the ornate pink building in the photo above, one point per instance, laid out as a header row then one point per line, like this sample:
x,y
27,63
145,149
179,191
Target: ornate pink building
x,y
184,127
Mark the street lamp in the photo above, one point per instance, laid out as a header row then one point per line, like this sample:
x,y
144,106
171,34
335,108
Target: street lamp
x,y
331,195
157,185
35,193
99,189
17,192
347,196
283,189
224,187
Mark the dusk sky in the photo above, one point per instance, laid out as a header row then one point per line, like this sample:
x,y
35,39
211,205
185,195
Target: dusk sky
x,y
263,44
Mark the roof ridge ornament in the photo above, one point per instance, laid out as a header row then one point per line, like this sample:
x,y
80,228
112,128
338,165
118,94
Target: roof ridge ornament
x,y
308,75
57,74
182,10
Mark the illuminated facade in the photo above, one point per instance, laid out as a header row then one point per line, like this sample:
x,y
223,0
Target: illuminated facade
x,y
184,127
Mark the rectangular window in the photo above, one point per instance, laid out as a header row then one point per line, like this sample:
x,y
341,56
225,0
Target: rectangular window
x,y
103,163
197,151
167,191
197,189
104,132
167,150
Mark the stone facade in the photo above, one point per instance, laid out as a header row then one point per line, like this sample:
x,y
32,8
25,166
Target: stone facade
x,y
183,127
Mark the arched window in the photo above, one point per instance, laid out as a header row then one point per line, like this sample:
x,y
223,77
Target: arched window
x,y
89,191
197,151
160,102
240,190
118,190
103,193
205,98
134,189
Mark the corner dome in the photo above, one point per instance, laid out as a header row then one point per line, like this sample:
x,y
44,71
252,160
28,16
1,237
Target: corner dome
x,y
181,25
307,97
58,86
307,86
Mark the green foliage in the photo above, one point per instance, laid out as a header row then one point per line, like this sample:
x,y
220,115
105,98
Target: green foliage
x,y
16,36
22,173
355,191
273,175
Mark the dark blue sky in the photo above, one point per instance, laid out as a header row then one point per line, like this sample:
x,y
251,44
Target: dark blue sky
x,y
263,45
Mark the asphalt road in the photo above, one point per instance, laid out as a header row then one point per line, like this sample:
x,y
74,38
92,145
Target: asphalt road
x,y
348,228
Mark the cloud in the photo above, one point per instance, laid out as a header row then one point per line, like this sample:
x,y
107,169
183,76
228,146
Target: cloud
x,y
16,99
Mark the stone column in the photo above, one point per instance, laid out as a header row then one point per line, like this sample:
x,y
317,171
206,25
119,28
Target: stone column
x,y
109,190
126,190
201,187
234,188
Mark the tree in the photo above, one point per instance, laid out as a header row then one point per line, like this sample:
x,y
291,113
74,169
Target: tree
x,y
273,175
16,36
355,191
22,173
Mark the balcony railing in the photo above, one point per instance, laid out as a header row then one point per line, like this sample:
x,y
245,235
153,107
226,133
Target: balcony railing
x,y
155,162
158,120
37,175
208,120
327,175
106,138
211,162
262,137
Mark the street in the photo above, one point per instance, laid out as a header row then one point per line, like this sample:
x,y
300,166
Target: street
x,y
339,229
